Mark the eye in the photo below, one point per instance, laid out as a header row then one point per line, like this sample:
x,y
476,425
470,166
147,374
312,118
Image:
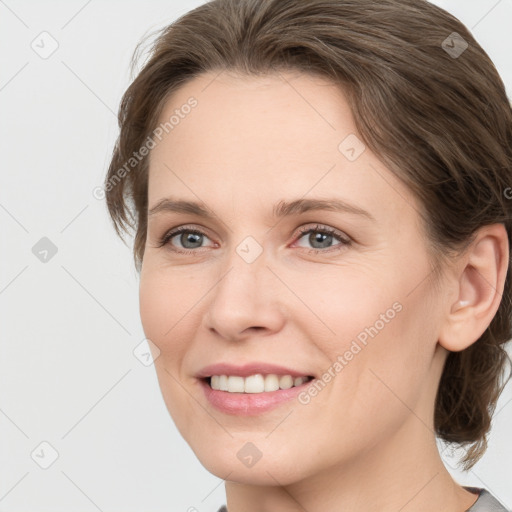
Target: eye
x,y
189,238
322,237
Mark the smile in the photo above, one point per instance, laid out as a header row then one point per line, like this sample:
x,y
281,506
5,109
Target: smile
x,y
246,397
257,383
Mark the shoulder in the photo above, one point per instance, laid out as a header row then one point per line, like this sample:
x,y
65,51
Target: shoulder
x,y
486,502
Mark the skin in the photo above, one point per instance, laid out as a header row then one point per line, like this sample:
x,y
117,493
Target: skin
x,y
366,441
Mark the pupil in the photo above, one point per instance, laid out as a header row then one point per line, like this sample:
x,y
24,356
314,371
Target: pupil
x,y
185,238
317,237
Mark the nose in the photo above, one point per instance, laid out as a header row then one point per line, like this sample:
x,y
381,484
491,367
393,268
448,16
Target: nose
x,y
246,300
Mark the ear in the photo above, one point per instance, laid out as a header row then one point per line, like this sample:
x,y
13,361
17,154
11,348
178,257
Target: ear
x,y
479,284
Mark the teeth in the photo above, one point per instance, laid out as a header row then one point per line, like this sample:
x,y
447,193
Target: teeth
x,y
271,382
257,383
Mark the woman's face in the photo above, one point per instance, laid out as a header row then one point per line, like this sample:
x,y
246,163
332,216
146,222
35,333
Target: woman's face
x,y
354,308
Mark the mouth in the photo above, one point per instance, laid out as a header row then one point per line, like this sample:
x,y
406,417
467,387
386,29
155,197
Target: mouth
x,y
252,395
255,384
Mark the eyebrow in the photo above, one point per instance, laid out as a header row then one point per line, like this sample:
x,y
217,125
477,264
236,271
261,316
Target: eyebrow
x,y
281,209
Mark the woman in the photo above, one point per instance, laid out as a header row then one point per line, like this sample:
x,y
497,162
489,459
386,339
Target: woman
x,y
319,193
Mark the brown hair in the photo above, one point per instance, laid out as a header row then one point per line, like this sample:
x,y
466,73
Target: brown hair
x,y
434,111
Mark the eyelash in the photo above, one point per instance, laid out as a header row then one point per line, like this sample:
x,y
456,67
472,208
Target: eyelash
x,y
345,241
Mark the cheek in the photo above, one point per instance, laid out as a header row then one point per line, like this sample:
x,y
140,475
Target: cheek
x,y
166,318
343,303
153,301
165,306
377,337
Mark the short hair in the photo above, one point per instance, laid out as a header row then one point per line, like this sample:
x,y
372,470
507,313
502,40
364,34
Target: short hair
x,y
426,99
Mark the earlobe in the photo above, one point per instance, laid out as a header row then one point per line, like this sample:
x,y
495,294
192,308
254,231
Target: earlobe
x,y
480,281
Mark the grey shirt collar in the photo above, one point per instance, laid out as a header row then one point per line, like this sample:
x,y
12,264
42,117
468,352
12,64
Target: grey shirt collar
x,y
486,502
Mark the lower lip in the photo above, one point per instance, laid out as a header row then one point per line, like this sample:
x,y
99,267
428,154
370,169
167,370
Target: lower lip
x,y
250,404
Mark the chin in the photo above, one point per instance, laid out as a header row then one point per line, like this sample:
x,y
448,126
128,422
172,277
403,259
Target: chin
x,y
238,462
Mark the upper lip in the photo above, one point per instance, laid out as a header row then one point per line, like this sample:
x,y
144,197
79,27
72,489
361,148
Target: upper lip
x,y
248,369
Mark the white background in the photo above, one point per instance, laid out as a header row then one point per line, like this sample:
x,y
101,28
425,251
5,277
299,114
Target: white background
x,y
69,326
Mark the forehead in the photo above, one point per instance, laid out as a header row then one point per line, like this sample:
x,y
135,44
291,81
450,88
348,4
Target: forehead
x,y
268,137
268,115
